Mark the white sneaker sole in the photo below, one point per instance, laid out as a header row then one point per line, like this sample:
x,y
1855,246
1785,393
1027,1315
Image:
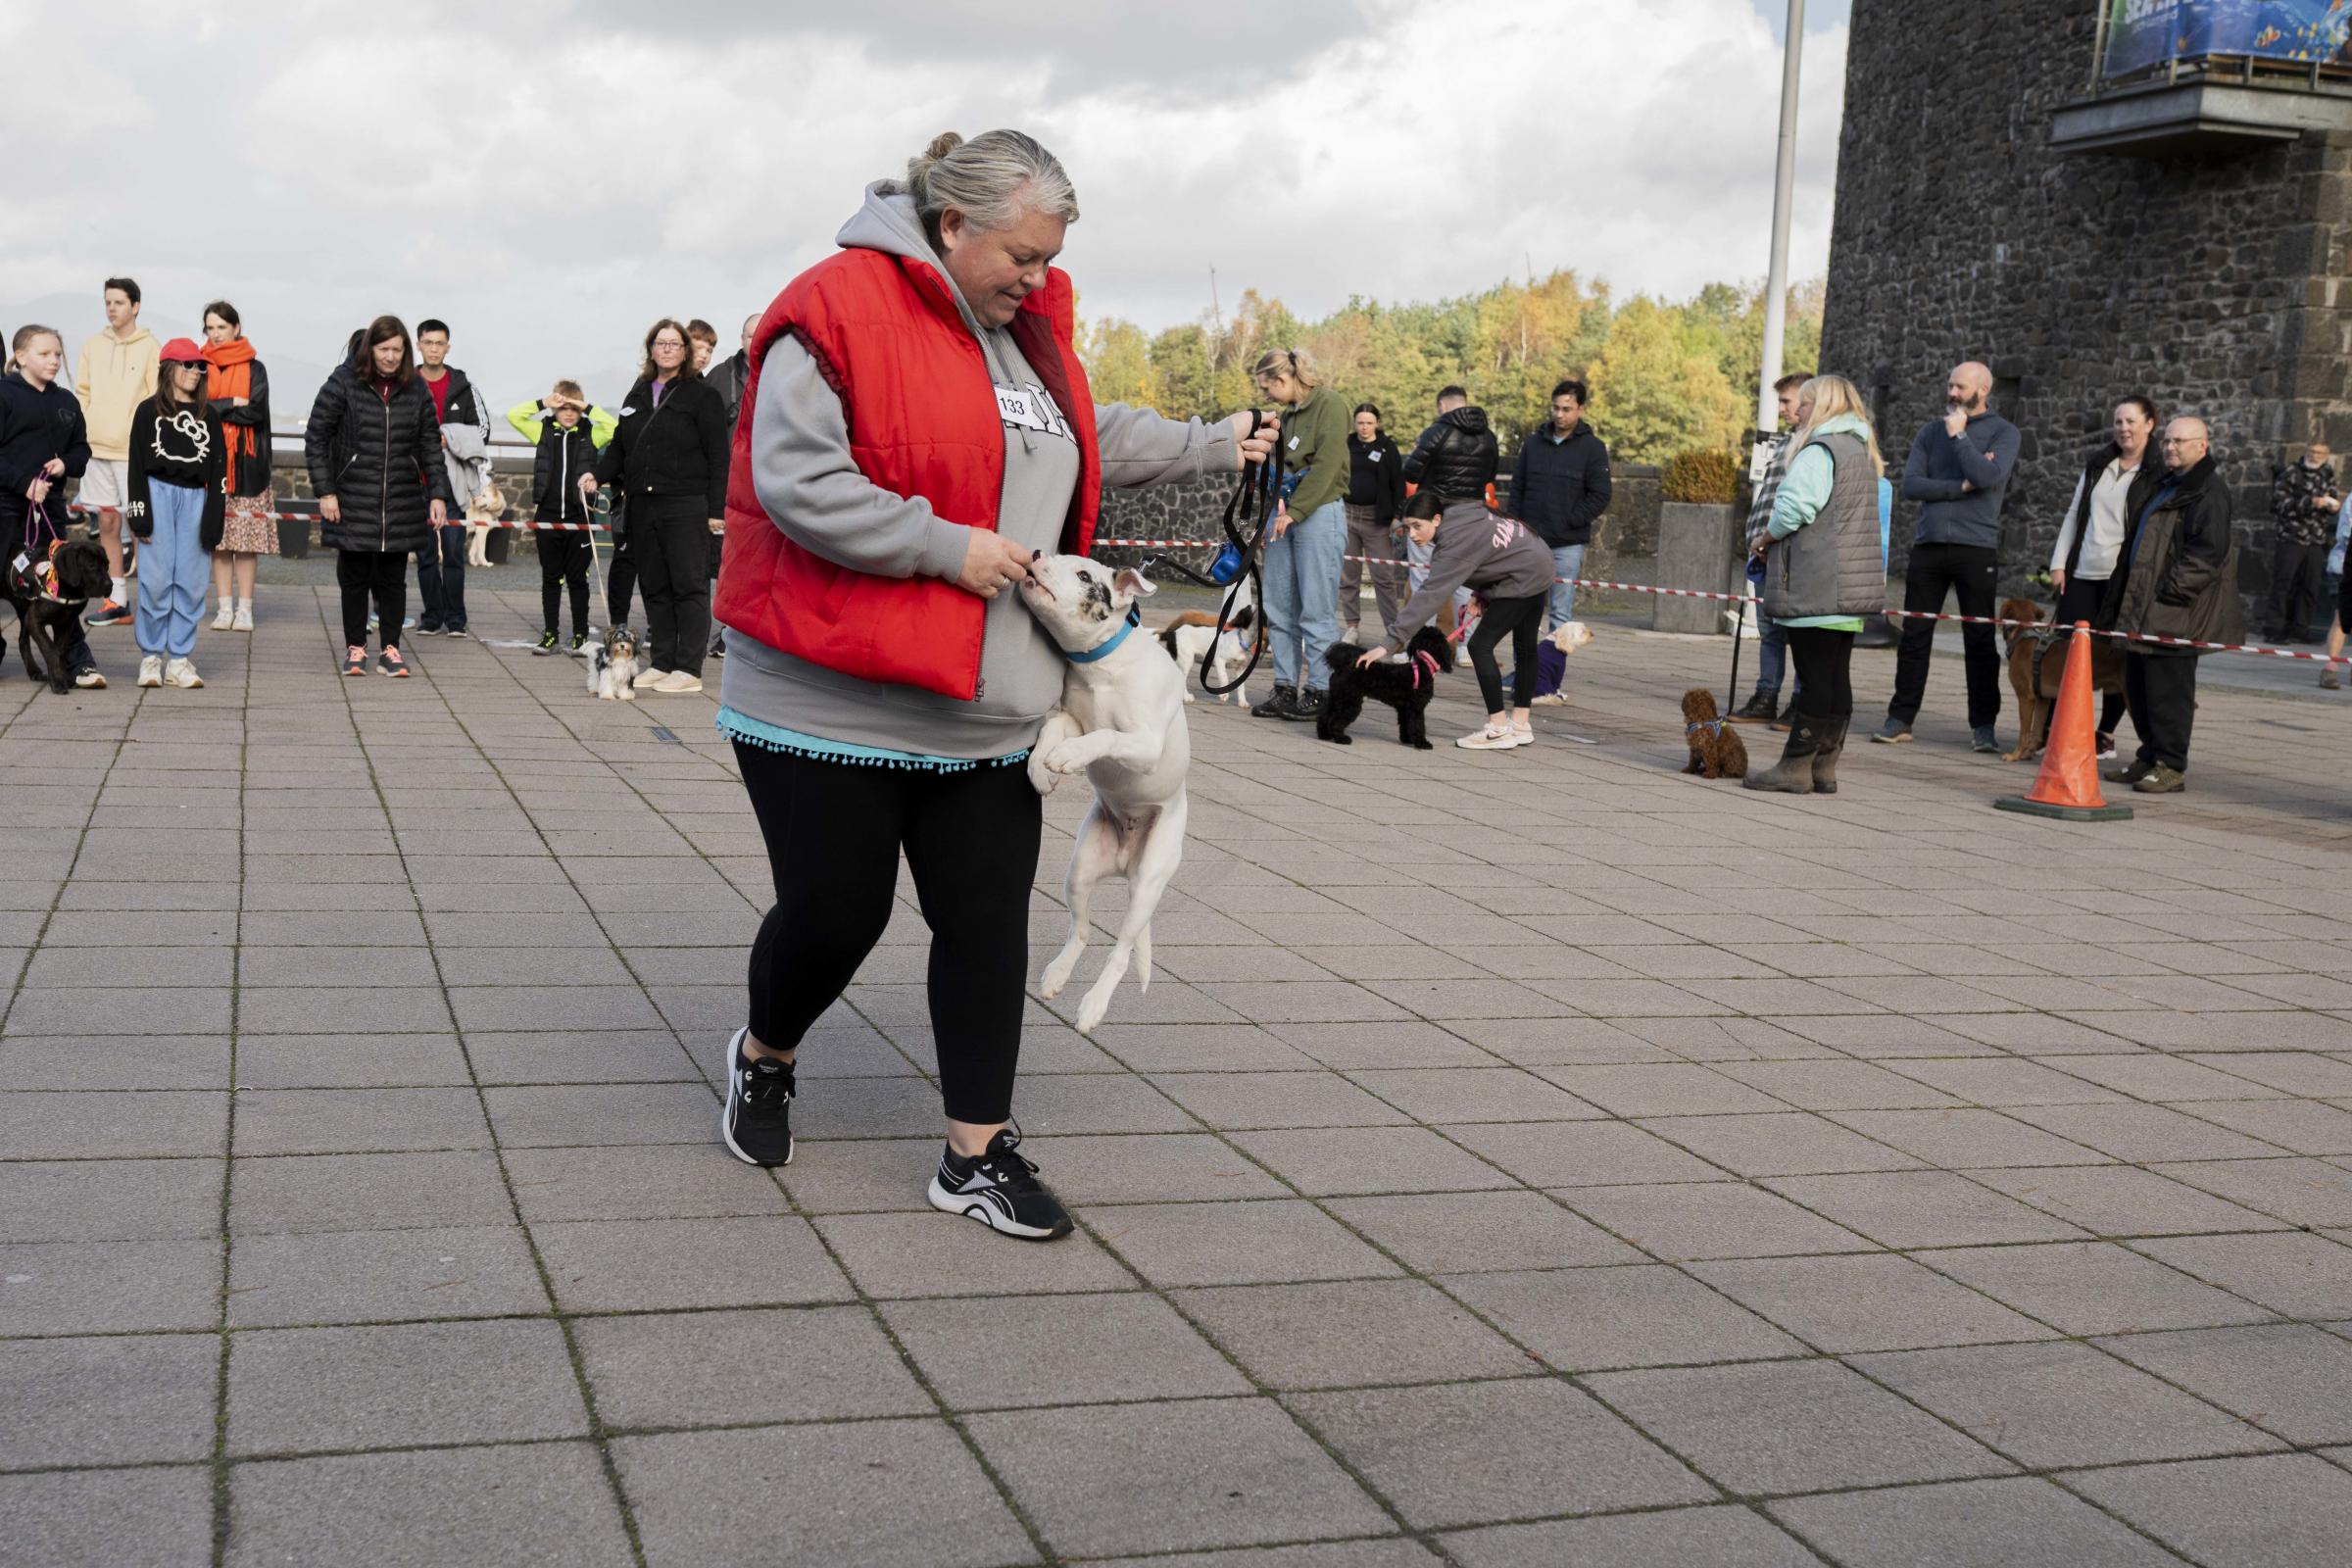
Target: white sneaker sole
x,y
726,1128
973,1206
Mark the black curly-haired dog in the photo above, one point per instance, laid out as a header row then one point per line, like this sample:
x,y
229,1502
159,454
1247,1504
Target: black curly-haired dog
x,y
47,610
1406,687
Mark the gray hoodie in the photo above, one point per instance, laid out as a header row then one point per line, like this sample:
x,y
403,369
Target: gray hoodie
x,y
811,488
1474,548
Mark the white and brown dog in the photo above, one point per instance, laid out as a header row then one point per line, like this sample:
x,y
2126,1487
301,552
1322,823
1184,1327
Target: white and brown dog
x,y
614,666
1121,722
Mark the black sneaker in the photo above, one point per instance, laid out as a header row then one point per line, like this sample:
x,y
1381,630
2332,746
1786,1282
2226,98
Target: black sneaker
x,y
579,642
755,1122
1001,1189
546,643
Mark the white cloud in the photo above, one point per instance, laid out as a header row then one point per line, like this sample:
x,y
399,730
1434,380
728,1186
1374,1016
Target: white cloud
x,y
549,178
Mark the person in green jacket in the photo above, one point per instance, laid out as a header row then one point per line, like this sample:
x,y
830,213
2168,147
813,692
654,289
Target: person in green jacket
x,y
1309,535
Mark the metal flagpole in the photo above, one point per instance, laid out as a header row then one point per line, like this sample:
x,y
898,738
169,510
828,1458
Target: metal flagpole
x,y
1776,286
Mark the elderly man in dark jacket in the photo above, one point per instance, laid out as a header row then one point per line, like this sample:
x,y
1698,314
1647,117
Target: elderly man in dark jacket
x,y
1559,488
2178,579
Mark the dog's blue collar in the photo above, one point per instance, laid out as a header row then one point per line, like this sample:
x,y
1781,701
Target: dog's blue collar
x,y
1134,619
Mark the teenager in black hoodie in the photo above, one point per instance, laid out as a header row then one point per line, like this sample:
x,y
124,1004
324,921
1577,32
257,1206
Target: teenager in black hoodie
x,y
1375,495
668,456
43,443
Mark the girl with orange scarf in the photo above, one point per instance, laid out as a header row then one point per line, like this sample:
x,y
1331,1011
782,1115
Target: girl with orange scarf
x,y
237,389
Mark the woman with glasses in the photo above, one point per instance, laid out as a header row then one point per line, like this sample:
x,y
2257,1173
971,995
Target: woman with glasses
x,y
668,456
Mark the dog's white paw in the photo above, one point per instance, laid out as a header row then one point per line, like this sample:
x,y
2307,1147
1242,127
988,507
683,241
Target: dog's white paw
x,y
1091,1011
1041,778
1070,756
1057,975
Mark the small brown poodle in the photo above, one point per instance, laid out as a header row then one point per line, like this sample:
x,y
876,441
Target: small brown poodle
x,y
1716,750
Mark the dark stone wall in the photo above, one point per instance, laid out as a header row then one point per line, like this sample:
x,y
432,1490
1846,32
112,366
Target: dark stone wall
x,y
2212,284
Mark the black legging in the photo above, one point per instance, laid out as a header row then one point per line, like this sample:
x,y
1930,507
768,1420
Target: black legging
x,y
380,574
1825,664
564,561
2081,602
1523,619
620,577
834,831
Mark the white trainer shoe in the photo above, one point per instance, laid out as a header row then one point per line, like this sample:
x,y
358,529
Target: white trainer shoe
x,y
1488,738
678,681
228,617
649,677
243,619
151,671
182,672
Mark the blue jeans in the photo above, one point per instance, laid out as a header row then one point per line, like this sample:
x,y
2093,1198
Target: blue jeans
x,y
1303,595
441,580
1772,653
175,569
1567,560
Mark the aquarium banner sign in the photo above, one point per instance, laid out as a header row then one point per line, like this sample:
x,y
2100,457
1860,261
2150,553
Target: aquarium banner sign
x,y
2141,33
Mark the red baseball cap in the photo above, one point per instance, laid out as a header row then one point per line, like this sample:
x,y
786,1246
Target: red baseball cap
x,y
180,348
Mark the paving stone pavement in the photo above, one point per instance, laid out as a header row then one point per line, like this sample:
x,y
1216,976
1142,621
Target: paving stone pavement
x,y
1527,1158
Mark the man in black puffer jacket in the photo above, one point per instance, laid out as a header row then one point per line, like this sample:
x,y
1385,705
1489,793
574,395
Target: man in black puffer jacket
x,y
373,449
1559,488
1456,456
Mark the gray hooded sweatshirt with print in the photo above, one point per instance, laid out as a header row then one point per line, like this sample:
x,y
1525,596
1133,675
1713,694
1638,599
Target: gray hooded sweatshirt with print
x,y
810,487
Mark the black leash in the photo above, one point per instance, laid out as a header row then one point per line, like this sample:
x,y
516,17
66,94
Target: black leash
x,y
1261,486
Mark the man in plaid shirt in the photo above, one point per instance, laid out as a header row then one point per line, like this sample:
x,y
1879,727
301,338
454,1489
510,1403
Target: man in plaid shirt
x,y
2304,502
1772,656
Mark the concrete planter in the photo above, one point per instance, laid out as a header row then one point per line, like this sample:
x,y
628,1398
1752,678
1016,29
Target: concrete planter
x,y
1698,546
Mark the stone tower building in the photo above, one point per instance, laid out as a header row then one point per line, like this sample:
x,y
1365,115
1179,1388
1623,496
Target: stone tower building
x,y
2187,235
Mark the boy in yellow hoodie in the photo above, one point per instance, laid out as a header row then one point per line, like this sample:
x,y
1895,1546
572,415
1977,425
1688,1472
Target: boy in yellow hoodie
x,y
115,374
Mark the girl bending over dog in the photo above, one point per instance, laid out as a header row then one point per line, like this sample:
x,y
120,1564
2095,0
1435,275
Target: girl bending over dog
x,y
1511,569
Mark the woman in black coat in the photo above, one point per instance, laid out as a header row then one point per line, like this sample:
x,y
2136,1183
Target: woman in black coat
x,y
1375,496
373,448
670,456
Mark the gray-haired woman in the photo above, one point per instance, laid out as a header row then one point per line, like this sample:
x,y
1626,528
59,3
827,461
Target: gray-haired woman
x,y
921,428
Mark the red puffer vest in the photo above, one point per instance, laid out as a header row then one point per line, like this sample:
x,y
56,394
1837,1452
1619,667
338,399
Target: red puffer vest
x,y
923,422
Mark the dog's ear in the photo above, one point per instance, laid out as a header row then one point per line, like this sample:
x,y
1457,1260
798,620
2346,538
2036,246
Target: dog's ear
x,y
1131,585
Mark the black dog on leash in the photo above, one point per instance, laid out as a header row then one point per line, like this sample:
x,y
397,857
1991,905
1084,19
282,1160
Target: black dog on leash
x,y
49,595
1406,687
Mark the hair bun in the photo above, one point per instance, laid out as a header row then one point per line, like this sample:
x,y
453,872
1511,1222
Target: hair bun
x,y
919,166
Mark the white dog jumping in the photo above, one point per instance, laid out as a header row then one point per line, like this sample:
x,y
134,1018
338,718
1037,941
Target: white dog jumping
x,y
1121,721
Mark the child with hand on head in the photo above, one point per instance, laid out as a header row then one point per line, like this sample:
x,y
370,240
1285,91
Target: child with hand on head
x,y
568,431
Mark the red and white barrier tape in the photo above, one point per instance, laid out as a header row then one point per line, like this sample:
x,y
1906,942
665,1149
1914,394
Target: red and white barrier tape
x,y
455,523
1733,598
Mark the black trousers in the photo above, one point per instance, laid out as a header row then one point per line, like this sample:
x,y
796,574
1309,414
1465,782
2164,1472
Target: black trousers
x,y
380,574
564,562
1523,620
671,537
621,574
834,832
2298,577
1972,571
1824,671
2081,602
2162,689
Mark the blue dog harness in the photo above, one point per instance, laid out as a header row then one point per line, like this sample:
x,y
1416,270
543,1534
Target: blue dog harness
x,y
1103,650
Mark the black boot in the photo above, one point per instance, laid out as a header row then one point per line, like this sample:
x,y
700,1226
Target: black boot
x,y
1825,760
1308,706
1787,717
1794,773
1758,709
1278,705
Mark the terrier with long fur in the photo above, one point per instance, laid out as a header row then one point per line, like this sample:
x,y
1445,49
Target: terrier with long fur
x,y
1122,723
614,664
1716,749
1406,687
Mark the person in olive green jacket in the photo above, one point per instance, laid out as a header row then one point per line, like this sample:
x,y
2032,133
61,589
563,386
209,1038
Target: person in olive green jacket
x,y
1309,535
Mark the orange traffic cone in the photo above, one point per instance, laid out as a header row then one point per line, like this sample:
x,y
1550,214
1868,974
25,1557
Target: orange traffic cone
x,y
2068,786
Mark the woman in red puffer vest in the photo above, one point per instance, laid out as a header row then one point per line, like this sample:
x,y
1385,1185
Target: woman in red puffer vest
x,y
917,425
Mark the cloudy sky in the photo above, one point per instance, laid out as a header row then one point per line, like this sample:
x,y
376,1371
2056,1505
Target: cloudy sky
x,y
550,176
